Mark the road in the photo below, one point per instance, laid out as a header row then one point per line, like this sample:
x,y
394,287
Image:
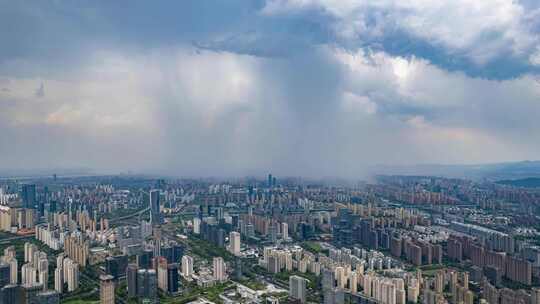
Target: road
x,y
125,217
21,237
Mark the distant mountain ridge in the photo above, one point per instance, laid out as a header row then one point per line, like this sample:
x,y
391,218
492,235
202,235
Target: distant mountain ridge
x,y
530,182
489,172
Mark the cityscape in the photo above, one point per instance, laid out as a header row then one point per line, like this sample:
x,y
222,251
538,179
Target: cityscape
x,y
138,239
270,152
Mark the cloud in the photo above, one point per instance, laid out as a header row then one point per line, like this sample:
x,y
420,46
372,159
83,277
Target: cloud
x,y
296,87
482,31
198,112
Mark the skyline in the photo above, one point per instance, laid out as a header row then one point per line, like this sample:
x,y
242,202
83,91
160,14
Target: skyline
x,y
296,87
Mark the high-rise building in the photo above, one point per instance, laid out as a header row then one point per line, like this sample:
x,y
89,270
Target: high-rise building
x,y
106,289
29,250
172,278
71,274
219,269
297,288
187,266
272,231
13,268
273,265
29,293
58,280
131,276
285,231
48,297
154,207
353,282
162,273
77,249
10,252
535,296
28,196
328,280
5,274
116,265
196,225
43,270
10,294
177,253
234,246
28,274
238,268
144,259
146,283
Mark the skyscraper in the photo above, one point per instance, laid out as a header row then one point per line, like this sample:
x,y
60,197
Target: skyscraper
x,y
177,253
144,259
106,289
28,195
219,269
58,280
196,225
131,276
297,288
285,231
71,274
234,246
5,274
172,278
154,207
162,273
187,266
146,283
28,273
13,264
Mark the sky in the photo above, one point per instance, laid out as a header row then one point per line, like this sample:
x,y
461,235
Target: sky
x,y
244,87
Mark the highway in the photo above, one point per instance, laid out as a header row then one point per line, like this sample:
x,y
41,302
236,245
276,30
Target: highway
x,y
20,237
125,217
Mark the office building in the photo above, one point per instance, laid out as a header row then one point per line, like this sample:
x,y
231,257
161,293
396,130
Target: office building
x,y
28,196
147,284
131,276
144,259
172,278
154,207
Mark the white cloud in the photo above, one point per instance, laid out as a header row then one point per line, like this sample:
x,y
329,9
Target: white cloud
x,y
535,57
479,29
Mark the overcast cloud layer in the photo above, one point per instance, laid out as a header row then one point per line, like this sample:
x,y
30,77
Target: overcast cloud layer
x,y
296,87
